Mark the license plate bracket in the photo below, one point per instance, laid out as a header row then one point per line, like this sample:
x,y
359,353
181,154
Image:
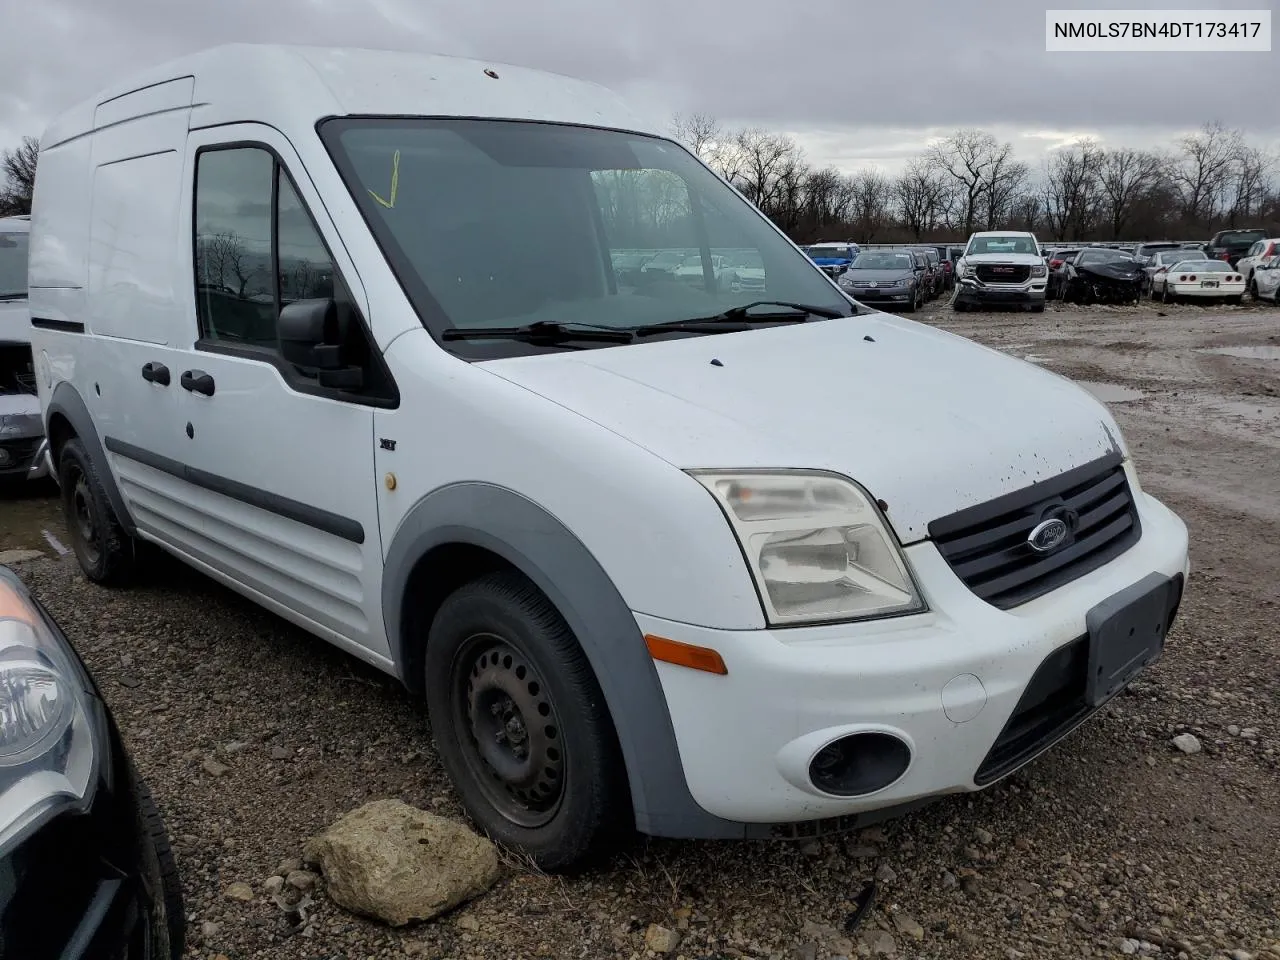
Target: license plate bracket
x,y
1208,283
1127,633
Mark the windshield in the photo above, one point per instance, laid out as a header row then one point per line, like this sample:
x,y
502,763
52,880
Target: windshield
x,y
830,253
1013,244
494,223
883,261
1178,256
1240,238
13,265
1103,256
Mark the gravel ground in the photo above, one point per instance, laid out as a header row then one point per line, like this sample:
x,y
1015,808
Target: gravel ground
x,y
255,736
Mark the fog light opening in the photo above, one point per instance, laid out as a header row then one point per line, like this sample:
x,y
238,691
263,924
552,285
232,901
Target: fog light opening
x,y
859,764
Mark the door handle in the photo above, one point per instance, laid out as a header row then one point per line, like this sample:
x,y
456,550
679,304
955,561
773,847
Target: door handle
x,y
156,373
197,381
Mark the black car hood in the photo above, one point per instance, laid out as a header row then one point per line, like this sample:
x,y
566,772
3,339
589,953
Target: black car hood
x,y
878,276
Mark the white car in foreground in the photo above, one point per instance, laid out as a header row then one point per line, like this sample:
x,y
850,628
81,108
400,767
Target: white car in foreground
x,y
1262,250
1197,279
663,556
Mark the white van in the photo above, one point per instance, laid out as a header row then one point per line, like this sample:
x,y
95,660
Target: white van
x,y
340,329
22,446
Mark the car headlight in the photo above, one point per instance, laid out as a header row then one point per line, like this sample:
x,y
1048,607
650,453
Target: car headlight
x,y
817,546
966,270
1039,270
845,281
48,756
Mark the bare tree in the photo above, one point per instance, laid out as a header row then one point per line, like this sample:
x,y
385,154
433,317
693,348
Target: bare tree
x,y
1203,170
872,195
223,263
1250,182
1070,189
700,132
983,170
1125,176
920,196
762,162
19,167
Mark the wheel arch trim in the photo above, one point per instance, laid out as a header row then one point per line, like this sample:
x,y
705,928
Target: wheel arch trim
x,y
67,403
531,540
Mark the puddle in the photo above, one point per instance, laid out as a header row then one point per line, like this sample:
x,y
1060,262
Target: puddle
x,y
1111,392
26,515
1247,352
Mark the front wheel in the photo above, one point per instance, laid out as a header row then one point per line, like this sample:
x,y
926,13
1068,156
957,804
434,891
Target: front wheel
x,y
521,723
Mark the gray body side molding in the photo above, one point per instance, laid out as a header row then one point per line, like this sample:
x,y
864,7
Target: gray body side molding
x,y
530,539
66,400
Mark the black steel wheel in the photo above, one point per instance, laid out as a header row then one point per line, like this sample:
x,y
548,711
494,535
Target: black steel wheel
x,y
513,747
103,549
521,723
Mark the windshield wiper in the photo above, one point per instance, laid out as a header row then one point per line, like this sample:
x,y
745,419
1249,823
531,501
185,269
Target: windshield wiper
x,y
543,331
737,319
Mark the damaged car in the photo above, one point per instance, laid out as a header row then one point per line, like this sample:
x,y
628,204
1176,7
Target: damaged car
x,y
22,449
1102,275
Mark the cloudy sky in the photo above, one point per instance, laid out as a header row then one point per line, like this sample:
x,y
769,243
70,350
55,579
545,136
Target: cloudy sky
x,y
857,82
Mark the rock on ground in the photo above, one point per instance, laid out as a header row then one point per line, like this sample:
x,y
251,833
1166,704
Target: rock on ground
x,y
398,864
1187,743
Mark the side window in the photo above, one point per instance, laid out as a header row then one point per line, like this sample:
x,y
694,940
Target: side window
x,y
257,250
235,296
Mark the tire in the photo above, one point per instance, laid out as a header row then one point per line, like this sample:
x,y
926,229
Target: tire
x,y
498,653
959,306
105,552
1253,288
1037,308
168,918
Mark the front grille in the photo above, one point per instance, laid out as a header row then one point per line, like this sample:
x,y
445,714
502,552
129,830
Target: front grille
x,y
986,545
1002,273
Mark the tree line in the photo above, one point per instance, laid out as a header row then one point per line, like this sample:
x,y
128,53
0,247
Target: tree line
x,y
1205,181
1209,180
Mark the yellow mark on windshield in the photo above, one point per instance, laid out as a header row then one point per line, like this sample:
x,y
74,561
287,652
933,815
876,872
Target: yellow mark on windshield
x,y
395,183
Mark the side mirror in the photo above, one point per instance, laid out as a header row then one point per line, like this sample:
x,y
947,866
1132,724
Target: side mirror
x,y
311,338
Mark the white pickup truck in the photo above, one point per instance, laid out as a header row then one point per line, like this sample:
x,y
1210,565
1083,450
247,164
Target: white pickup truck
x,y
1001,266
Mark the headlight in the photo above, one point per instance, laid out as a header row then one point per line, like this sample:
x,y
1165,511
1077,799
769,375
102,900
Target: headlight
x,y
1039,270
48,756
816,544
966,270
845,281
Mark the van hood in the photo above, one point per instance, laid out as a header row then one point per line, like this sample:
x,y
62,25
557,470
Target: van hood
x,y
15,321
926,421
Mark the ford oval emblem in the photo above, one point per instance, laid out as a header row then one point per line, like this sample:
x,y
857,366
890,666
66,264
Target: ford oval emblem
x,y
1048,535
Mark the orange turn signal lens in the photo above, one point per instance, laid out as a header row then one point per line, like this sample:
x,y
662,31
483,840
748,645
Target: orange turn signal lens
x,y
13,606
685,654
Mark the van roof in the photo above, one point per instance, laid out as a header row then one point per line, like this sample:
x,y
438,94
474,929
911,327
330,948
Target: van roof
x,y
293,86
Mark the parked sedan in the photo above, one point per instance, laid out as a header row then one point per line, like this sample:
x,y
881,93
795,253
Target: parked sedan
x,y
1199,279
1262,250
1266,279
889,277
936,278
1163,260
85,865
1057,259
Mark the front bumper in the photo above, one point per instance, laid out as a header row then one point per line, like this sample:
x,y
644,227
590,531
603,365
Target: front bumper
x,y
72,889
879,294
22,442
971,290
946,682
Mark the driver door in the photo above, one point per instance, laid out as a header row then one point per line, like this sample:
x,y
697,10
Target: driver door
x,y
280,468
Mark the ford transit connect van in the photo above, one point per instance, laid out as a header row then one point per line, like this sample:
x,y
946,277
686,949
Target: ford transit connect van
x,y
341,329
